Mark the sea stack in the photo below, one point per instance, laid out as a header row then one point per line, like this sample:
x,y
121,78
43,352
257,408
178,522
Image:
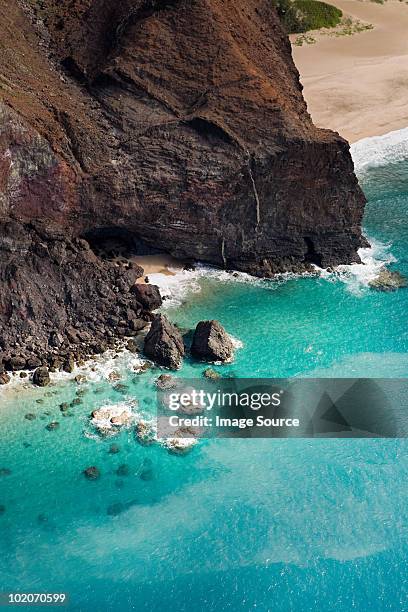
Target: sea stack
x,y
211,342
164,343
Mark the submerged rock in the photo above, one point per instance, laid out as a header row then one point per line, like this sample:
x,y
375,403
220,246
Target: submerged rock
x,y
211,374
115,509
165,381
145,432
41,377
164,343
30,416
2,509
147,475
388,280
211,342
121,388
5,471
114,449
123,470
52,426
92,473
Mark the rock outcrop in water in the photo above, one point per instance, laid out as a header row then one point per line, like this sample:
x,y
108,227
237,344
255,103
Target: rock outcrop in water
x,y
388,280
164,343
211,342
41,377
154,124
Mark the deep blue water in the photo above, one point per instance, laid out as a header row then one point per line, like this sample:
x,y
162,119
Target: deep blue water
x,y
235,524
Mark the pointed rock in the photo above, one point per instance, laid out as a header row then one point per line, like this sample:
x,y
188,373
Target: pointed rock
x,y
211,342
164,343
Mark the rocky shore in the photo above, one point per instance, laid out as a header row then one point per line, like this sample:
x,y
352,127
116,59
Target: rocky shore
x,y
60,303
161,127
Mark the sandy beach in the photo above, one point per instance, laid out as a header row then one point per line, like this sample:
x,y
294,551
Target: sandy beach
x,y
158,264
358,84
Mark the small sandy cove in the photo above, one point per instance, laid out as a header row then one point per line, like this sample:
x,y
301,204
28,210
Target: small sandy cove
x,y
158,264
358,84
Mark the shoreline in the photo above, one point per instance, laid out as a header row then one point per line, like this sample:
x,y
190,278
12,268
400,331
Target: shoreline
x,y
158,264
357,84
175,278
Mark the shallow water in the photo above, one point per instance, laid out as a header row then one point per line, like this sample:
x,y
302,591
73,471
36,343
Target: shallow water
x,y
235,524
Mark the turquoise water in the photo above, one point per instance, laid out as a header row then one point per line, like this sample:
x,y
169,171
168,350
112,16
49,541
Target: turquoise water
x,y
235,524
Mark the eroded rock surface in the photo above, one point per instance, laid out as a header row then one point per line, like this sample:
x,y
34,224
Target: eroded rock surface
x,y
156,124
164,343
211,342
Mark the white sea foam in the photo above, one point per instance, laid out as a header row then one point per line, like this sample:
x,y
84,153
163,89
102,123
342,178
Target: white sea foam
x,y
111,418
358,276
367,153
370,153
177,288
380,150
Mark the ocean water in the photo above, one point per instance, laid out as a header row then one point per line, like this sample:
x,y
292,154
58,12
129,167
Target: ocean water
x,y
235,524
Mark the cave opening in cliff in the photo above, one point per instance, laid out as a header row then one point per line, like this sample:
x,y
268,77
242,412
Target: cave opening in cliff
x,y
118,243
311,256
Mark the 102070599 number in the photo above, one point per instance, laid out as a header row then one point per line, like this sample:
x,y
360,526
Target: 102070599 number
x,y
26,599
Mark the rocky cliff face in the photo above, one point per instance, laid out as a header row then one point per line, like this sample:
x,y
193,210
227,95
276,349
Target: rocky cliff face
x,y
176,124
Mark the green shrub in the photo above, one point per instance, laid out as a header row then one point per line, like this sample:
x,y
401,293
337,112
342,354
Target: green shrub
x,y
303,15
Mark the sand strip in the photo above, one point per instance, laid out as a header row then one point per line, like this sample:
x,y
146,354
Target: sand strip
x,y
358,85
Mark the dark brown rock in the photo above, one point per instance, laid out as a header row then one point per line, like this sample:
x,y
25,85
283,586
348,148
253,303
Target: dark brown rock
x,y
33,362
4,378
92,473
211,342
165,381
134,125
52,426
41,377
228,131
132,345
17,363
164,343
147,295
138,324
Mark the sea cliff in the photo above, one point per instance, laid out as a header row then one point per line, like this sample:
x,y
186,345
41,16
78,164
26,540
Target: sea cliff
x,y
172,125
